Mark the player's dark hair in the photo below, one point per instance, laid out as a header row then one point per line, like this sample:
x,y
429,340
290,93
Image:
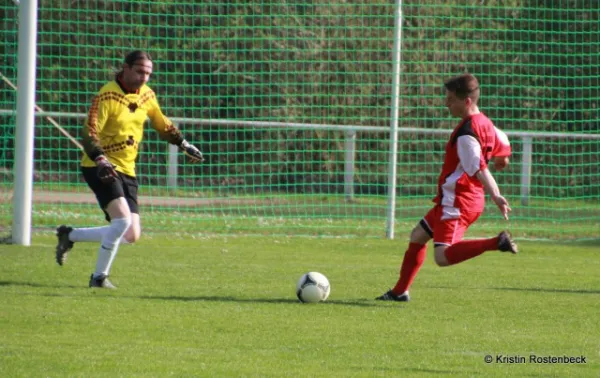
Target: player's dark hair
x,y
464,86
133,57
136,55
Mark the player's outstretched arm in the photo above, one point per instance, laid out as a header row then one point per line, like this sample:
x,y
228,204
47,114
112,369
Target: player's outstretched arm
x,y
491,187
191,151
171,134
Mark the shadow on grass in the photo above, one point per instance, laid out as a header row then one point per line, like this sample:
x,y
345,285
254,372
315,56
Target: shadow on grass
x,y
543,290
39,285
352,302
358,302
530,289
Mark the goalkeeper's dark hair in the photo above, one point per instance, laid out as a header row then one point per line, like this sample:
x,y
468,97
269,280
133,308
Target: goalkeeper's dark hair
x,y
464,86
136,55
133,57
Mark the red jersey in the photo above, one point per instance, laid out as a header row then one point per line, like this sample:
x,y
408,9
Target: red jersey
x,y
468,151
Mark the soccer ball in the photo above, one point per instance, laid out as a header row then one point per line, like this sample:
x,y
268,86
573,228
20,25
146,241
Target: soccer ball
x,y
313,287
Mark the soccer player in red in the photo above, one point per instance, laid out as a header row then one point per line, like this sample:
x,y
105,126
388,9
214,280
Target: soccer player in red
x,y
460,199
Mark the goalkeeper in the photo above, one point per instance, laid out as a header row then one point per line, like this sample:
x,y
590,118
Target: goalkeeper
x,y
112,133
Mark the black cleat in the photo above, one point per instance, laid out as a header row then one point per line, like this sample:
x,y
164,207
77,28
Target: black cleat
x,y
64,244
506,244
390,296
101,282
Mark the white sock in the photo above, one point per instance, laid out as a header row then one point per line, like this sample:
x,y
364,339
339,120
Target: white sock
x,y
110,244
91,234
88,234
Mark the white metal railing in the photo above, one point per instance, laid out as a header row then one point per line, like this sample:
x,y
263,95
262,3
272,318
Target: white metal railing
x,y
350,131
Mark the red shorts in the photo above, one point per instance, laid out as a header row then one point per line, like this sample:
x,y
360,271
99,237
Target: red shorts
x,y
447,225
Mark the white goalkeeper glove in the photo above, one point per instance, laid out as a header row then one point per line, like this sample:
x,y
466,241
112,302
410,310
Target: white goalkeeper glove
x,y
191,151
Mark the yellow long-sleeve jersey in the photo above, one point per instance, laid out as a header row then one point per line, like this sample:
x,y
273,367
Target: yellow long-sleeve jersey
x,y
115,124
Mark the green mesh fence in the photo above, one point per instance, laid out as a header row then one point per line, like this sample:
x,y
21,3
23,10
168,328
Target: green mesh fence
x,y
8,98
317,63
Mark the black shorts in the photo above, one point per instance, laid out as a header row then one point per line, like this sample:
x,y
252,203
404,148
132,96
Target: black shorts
x,y
124,186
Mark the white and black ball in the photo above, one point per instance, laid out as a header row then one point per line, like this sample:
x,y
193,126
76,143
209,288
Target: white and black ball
x,y
313,287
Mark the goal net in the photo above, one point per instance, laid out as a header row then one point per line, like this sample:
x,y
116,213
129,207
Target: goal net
x,y
291,104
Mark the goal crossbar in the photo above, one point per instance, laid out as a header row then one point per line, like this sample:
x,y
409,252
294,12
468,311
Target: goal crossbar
x,y
313,126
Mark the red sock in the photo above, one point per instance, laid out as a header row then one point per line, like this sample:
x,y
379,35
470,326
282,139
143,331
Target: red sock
x,y
467,249
413,259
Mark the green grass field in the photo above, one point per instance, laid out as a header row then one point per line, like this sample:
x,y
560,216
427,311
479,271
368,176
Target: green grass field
x,y
225,307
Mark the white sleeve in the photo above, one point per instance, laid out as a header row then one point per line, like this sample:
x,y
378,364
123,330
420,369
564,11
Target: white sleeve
x,y
502,146
501,135
469,154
